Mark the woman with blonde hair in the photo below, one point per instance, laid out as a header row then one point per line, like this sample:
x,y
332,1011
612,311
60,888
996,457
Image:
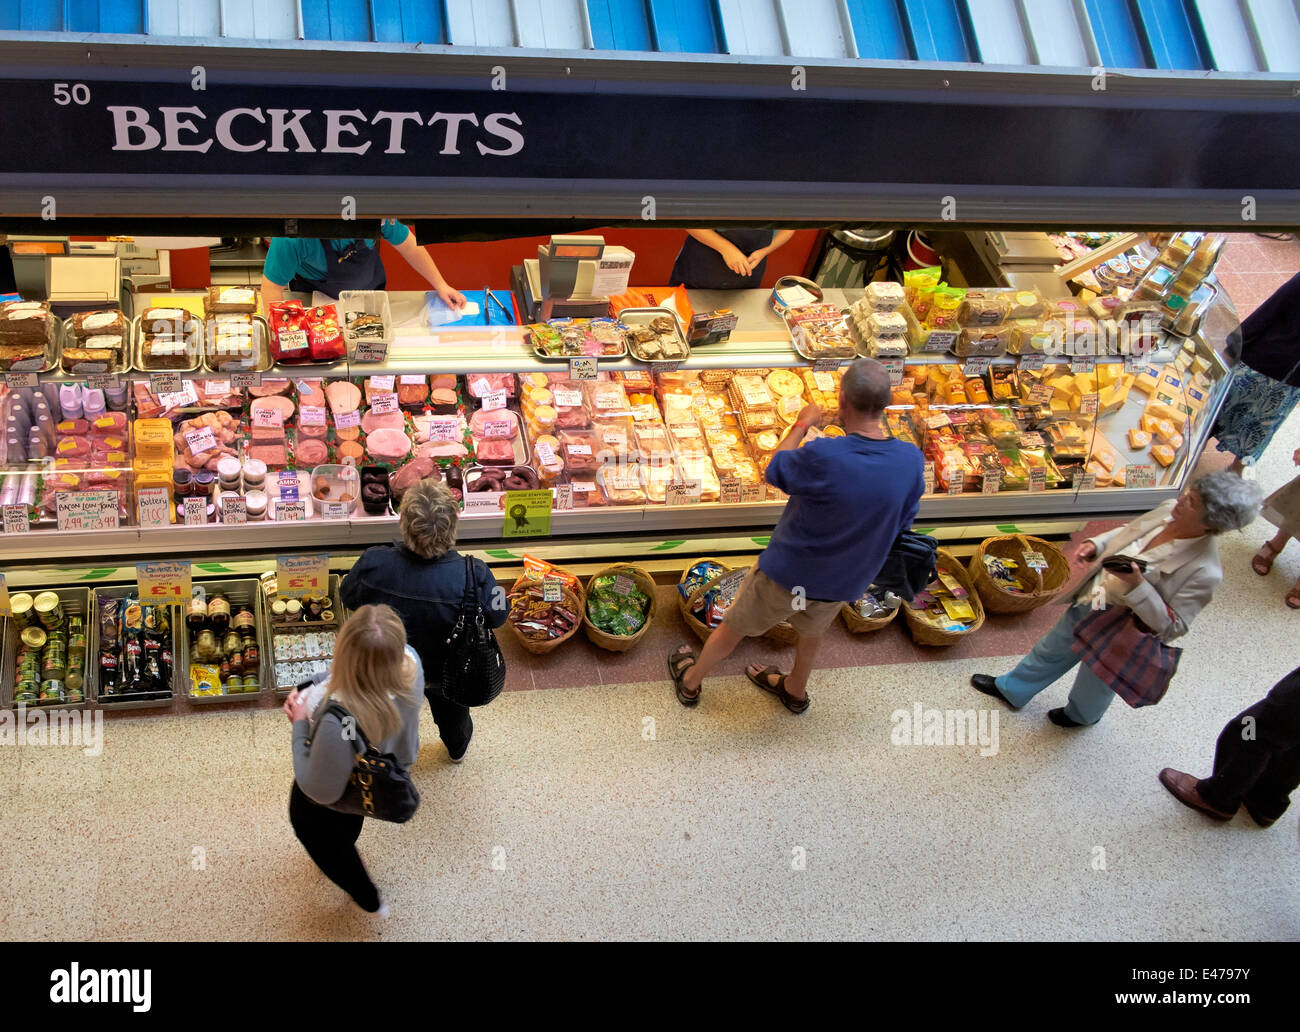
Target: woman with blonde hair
x,y
377,682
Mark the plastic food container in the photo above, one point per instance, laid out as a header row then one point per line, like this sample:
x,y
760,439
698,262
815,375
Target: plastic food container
x,y
366,303
335,490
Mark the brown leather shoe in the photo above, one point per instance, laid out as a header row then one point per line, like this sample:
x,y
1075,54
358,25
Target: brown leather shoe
x,y
1183,787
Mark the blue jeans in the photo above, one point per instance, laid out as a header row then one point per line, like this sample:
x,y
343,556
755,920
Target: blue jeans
x,y
1052,658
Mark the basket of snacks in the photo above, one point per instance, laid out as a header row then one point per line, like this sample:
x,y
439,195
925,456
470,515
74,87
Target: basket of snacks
x,y
869,613
1016,573
948,609
705,592
546,605
620,606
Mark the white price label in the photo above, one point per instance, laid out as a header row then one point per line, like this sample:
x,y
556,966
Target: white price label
x,y
1035,560
665,367
567,398
731,490
102,381
977,365
153,507
1032,360
956,483
415,380
201,440
311,415
493,400
579,449
585,368
381,403
826,365
1040,394
1142,474
216,388
444,428
753,493
381,383
1083,365
86,510
992,483
165,383
552,590
825,382
346,420
545,453
894,366
370,351
1085,480
500,428
682,492
332,510
234,509
1089,404
268,418
196,511
17,380
17,519
290,511
186,397
480,387
564,496
243,381
1037,479
929,478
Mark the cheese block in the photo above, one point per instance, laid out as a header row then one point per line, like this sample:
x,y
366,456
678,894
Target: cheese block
x,y
1196,398
1146,383
1108,374
1163,454
1061,407
1200,365
1162,411
1101,473
1170,382
1138,439
1148,423
1104,457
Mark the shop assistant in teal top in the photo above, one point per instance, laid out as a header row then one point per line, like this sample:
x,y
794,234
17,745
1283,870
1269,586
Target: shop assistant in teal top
x,y
333,266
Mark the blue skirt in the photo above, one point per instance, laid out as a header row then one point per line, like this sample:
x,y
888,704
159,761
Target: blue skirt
x,y
1255,407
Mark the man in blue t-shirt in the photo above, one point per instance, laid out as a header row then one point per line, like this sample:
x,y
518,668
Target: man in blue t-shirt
x,y
332,266
850,497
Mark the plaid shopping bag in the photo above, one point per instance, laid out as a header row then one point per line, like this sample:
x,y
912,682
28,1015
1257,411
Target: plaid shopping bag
x,y
1123,652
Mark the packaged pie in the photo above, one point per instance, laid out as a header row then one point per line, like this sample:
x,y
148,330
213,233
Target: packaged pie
x,y
325,334
570,404
606,399
289,343
982,308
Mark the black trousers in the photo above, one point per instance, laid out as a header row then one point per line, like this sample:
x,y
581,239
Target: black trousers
x,y
455,726
330,839
1257,760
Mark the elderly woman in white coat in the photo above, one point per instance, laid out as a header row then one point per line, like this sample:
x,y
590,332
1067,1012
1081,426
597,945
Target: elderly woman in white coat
x,y
1178,541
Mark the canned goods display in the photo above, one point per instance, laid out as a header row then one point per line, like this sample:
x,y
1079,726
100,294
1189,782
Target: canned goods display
x,y
20,609
49,610
33,637
51,691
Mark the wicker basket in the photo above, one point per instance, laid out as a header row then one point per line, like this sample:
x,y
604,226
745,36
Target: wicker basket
x,y
926,634
781,634
862,625
616,642
1046,584
573,599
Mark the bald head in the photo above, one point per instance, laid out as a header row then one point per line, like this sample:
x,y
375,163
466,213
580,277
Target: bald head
x,y
865,388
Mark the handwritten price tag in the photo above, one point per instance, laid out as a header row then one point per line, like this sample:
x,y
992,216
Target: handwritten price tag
x,y
1035,560
1032,439
200,440
381,403
564,497
1037,479
493,400
153,507
234,509
929,478
731,490
992,483
1040,394
381,383
290,512
977,365
1089,404
346,420
1084,480
1032,360
665,367
86,510
370,351
165,383
826,365
552,590
167,581
196,512
1142,474
299,575
243,381
583,368
186,397
751,493
311,415
444,428
15,381
17,519
1083,365
102,381
894,366
956,483
682,492
267,418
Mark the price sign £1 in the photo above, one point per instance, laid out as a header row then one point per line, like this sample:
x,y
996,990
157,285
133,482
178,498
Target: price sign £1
x,y
166,581
299,575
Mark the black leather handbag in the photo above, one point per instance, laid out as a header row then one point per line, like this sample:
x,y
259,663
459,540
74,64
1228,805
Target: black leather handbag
x,y
378,787
473,670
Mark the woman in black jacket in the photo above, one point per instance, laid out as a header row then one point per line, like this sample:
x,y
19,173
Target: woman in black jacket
x,y
423,578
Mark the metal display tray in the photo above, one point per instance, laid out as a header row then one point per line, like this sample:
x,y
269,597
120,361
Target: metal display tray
x,y
242,592
68,339
75,602
193,350
92,654
643,317
261,361
302,627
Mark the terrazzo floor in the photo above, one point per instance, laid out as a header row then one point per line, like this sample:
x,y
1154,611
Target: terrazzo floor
x,y
600,808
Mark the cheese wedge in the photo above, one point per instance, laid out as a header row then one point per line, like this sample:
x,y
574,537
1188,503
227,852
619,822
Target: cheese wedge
x,y
1146,383
1108,374
1163,454
1138,439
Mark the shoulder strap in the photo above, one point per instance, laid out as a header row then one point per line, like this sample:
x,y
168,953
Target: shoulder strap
x,y
359,743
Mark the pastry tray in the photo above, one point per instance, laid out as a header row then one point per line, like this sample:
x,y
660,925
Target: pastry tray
x,y
34,365
68,340
261,361
796,342
643,317
194,348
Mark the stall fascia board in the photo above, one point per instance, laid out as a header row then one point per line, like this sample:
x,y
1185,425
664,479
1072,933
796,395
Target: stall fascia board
x,y
1055,99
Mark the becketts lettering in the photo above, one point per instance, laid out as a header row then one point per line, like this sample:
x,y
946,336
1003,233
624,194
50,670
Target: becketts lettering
x,y
304,131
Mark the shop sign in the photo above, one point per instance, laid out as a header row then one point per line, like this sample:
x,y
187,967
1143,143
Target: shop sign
x,y
164,581
17,519
300,575
86,510
528,513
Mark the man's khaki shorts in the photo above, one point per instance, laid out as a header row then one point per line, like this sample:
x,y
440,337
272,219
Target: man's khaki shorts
x,y
762,603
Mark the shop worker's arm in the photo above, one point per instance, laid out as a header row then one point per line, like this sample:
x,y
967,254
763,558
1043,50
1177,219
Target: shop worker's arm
x,y
779,240
279,269
322,768
732,256
422,262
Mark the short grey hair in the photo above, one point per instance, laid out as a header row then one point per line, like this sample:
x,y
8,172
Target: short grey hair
x,y
428,520
866,387
1227,501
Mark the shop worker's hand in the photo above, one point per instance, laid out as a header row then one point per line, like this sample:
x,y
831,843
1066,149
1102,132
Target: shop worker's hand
x,y
736,260
810,415
1086,552
295,706
451,297
757,257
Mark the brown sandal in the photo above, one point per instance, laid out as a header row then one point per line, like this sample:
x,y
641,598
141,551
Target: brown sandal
x,y
795,706
678,663
1293,596
1263,564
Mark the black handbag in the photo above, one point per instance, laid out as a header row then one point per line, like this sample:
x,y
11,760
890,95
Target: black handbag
x,y
473,669
378,786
